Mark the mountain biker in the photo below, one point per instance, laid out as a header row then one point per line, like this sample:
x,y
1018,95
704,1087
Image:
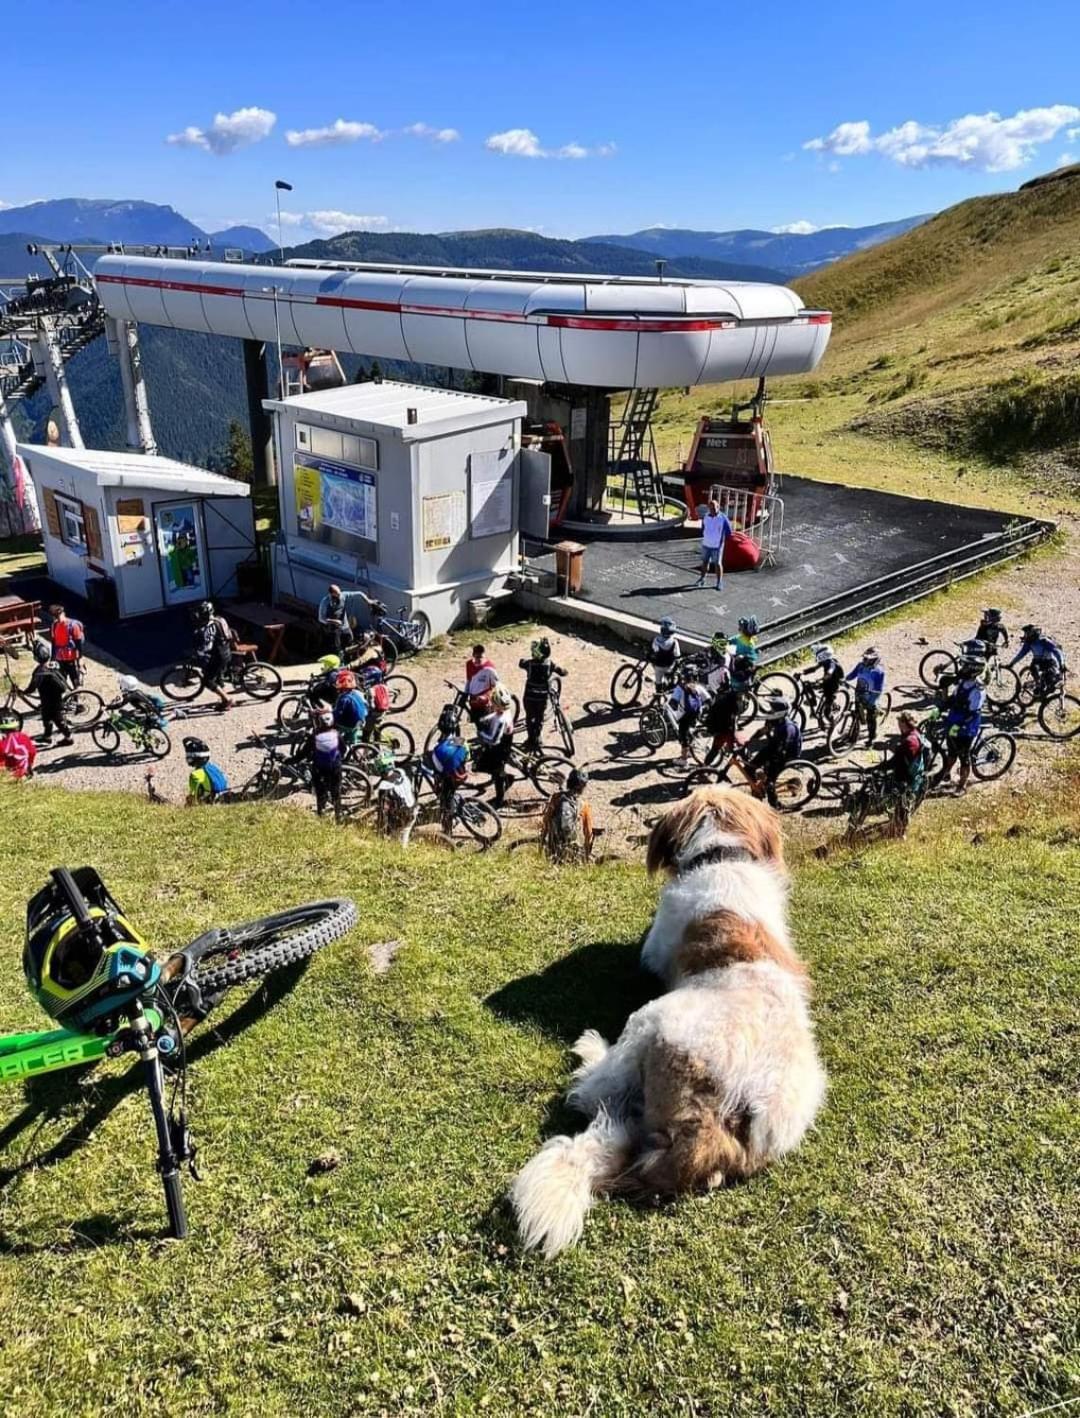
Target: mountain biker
x,y
322,692
744,642
141,706
718,659
686,702
51,686
963,720
350,707
664,652
772,747
978,653
68,638
322,747
1047,659
722,713
17,750
992,630
450,762
715,530
567,830
481,677
206,781
334,613
495,739
832,677
906,772
366,650
212,650
539,669
397,797
869,680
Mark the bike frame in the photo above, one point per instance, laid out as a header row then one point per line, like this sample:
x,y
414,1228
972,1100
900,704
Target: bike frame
x,y
49,1050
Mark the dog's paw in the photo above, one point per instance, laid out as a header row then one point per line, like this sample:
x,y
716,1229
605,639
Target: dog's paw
x,y
590,1048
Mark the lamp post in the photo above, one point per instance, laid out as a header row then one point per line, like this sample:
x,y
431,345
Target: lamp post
x,y
279,188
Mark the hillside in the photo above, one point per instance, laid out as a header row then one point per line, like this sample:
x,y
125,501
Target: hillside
x,y
92,219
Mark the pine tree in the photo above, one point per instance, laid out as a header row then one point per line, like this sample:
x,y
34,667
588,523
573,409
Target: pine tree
x,y
236,459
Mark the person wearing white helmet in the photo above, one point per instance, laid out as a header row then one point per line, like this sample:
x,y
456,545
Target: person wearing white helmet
x,y
772,747
395,796
495,739
136,700
324,750
664,653
831,671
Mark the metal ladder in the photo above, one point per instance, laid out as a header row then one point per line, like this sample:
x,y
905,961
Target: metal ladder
x,y
635,457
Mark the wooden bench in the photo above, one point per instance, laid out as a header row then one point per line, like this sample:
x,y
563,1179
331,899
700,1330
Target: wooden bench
x,y
274,622
19,619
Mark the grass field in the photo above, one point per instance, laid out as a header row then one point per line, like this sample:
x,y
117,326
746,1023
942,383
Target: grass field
x,y
919,1255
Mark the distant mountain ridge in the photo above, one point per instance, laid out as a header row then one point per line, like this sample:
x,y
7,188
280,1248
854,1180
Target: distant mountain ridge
x,y
92,219
790,253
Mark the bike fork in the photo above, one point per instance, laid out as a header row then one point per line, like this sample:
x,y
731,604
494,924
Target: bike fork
x,y
168,1159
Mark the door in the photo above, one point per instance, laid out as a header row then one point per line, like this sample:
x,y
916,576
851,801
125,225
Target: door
x,y
534,495
229,524
181,552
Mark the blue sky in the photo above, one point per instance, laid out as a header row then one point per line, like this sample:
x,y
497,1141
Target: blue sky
x,y
571,119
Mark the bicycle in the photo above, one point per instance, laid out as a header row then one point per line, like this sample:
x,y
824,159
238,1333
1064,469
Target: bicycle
x,y
845,730
796,784
280,774
1058,713
877,794
810,703
992,752
562,723
480,821
408,634
246,674
147,735
294,711
1002,683
394,736
156,1005
453,712
658,726
81,707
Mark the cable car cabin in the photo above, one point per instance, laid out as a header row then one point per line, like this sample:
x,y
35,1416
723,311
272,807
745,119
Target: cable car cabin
x,y
733,453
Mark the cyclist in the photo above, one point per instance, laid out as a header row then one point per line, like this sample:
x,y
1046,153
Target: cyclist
x,y
567,831
992,631
832,677
323,749
450,762
745,642
869,680
212,650
396,793
1047,659
664,652
481,677
366,651
906,773
139,705
334,613
722,713
774,745
68,638
206,781
963,720
718,658
350,707
978,652
539,669
17,750
51,687
686,702
495,739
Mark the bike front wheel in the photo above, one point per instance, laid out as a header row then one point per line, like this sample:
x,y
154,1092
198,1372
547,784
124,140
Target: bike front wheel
x,y
1060,716
293,713
795,785
479,820
626,684
251,951
993,756
934,665
105,737
181,683
653,727
548,773
157,743
83,708
1003,687
402,691
260,680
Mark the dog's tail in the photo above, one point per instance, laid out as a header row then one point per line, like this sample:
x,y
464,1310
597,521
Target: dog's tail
x,y
552,1194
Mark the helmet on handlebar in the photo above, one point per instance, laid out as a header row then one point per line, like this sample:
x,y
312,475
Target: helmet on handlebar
x,y
742,668
84,974
128,684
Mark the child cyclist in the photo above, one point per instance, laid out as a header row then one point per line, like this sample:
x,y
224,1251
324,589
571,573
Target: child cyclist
x,y
832,677
450,762
567,831
772,748
207,782
664,654
52,687
745,642
869,677
686,702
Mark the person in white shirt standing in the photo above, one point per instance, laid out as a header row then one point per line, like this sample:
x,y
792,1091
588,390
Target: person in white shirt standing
x,y
715,530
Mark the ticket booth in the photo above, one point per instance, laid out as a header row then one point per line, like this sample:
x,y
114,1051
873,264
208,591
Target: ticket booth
x,y
417,495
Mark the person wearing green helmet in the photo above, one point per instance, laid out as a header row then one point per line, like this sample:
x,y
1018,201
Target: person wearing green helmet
x,y
395,797
539,670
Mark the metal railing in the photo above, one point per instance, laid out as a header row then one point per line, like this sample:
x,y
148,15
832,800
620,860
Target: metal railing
x,y
760,515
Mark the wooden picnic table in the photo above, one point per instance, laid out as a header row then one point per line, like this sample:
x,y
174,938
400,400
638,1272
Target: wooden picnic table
x,y
272,621
19,618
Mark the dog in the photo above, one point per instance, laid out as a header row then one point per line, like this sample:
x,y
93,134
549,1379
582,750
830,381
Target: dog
x,y
719,1076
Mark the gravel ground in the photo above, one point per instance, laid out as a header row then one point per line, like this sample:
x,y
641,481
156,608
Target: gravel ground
x,y
629,784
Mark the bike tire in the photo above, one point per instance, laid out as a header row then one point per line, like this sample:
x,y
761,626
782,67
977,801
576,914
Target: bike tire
x,y
1027,689
933,665
106,738
653,727
993,756
480,821
83,708
260,680
389,653
797,783
749,712
777,682
548,773
843,734
566,733
158,743
182,683
402,691
355,787
400,739
258,948
1002,687
1059,716
293,712
263,785
626,685
839,783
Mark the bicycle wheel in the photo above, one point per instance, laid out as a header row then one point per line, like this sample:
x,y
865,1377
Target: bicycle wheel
x,y
260,680
1027,688
293,713
1003,687
83,708
653,725
479,820
548,773
106,737
795,784
399,739
626,685
839,783
777,682
993,756
257,948
181,682
933,665
158,743
1059,716
423,630
566,733
843,733
402,691
748,710
389,653
263,785
355,788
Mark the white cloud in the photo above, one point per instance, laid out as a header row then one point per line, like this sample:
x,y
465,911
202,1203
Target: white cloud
x,y
342,130
228,131
5,205
1073,133
795,229
330,223
1066,160
523,143
984,141
437,135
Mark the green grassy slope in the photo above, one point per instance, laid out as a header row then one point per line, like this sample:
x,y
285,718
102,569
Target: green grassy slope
x,y
918,1255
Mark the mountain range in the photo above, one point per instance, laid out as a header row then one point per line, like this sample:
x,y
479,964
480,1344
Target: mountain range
x,y
97,220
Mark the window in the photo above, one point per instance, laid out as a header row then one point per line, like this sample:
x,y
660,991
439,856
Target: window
x,y
72,524
341,447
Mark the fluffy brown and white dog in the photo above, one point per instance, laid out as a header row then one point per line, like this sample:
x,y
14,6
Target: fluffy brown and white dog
x,y
716,1078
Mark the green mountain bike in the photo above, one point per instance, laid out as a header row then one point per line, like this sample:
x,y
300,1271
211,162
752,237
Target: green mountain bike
x,y
92,973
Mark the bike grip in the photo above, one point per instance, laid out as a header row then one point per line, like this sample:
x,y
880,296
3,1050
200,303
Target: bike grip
x,y
71,893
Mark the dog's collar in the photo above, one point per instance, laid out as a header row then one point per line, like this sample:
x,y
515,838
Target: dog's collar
x,y
714,856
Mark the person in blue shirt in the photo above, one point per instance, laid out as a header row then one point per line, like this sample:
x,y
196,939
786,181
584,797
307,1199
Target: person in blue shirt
x,y
1047,660
350,707
335,609
963,720
744,642
869,680
772,747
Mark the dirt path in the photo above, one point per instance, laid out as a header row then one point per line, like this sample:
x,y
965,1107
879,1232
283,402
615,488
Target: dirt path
x,y
629,784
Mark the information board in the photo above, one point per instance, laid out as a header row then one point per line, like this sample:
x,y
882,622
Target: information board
x,y
335,504
491,490
443,520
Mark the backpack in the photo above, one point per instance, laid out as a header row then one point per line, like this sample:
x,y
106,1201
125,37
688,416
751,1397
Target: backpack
x,y
566,835
327,748
451,756
380,698
218,782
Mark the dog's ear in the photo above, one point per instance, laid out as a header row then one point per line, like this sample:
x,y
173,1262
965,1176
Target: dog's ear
x,y
671,833
756,824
